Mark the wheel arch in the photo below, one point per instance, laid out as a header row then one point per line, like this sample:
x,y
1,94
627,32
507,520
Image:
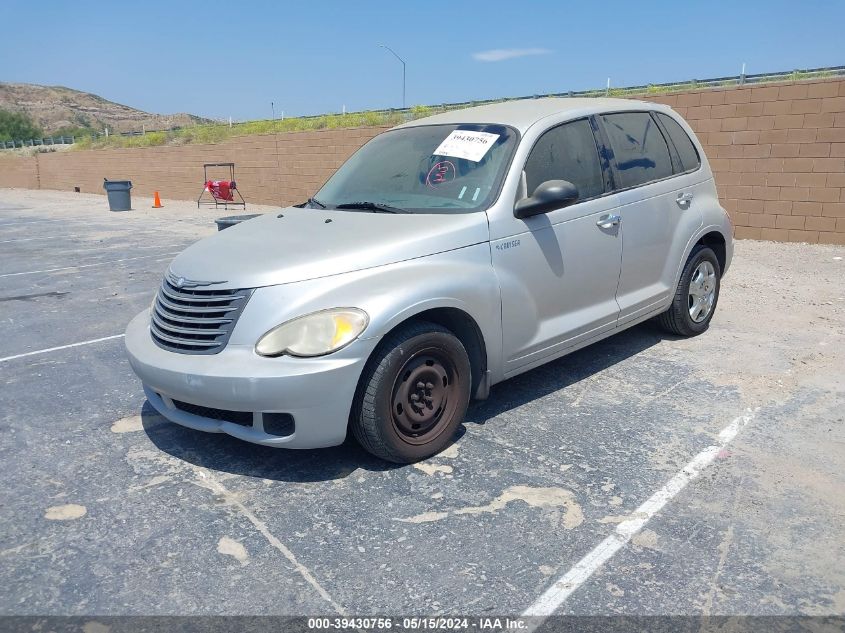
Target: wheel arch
x,y
467,331
716,241
714,237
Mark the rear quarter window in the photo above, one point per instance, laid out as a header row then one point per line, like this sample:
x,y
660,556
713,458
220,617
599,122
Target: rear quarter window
x,y
639,150
690,160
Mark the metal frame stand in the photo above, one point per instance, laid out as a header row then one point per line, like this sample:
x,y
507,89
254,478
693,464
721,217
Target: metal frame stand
x,y
214,201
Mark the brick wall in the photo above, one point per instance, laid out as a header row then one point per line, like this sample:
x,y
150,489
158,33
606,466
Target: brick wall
x,y
305,160
19,172
778,153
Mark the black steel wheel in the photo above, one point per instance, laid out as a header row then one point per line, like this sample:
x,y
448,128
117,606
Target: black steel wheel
x,y
413,393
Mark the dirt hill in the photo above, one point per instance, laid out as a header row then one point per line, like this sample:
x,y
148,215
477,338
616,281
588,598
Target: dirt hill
x,y
56,107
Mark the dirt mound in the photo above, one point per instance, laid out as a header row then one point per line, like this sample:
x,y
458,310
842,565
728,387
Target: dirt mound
x,y
56,107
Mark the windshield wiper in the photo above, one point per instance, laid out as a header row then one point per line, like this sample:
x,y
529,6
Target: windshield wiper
x,y
370,206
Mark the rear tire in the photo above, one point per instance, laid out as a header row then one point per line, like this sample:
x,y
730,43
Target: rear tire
x,y
413,393
697,294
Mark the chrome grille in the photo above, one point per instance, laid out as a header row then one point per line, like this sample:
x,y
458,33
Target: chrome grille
x,y
194,319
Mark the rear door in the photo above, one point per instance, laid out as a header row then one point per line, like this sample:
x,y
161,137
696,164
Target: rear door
x,y
657,207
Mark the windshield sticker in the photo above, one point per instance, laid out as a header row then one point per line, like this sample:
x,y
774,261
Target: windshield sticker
x,y
440,174
465,144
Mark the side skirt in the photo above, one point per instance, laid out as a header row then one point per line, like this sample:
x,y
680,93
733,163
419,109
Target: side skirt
x,y
582,344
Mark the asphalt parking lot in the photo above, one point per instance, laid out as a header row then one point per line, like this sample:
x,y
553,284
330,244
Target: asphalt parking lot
x,y
106,508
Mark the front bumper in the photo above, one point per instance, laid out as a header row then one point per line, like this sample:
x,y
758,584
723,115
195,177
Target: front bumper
x,y
316,392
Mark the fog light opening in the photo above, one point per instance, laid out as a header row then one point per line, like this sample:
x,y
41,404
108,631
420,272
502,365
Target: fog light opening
x,y
278,424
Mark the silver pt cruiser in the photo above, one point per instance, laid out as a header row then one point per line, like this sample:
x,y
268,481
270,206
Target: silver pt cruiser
x,y
445,256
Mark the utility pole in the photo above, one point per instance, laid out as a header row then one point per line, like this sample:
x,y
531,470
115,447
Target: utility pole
x,y
403,71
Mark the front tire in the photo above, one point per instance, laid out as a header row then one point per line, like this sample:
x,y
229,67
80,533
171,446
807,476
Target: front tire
x,y
697,294
413,393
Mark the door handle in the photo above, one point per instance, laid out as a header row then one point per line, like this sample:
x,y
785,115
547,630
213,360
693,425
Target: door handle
x,y
608,221
683,200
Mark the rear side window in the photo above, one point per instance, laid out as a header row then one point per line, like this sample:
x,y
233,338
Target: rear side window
x,y
567,152
690,160
639,149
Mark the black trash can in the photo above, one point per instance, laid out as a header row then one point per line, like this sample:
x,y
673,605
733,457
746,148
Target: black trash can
x,y
232,220
118,194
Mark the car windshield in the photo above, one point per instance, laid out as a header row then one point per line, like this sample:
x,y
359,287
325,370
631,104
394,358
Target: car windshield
x,y
424,169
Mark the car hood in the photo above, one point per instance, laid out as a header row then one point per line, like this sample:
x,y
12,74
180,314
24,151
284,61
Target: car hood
x,y
300,244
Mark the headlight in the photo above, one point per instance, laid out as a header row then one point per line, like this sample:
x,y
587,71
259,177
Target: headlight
x,y
314,334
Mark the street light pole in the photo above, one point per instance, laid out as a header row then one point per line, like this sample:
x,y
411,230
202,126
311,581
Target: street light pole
x,y
403,71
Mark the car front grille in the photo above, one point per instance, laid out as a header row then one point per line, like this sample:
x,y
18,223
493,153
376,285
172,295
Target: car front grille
x,y
196,319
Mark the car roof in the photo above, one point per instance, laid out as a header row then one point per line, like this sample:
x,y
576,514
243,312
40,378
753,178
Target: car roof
x,y
523,113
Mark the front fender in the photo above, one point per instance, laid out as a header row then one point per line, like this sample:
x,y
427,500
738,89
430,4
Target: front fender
x,y
462,279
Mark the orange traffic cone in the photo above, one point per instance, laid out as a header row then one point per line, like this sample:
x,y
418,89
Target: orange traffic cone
x,y
157,202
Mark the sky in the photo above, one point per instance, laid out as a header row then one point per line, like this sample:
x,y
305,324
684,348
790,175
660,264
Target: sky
x,y
232,59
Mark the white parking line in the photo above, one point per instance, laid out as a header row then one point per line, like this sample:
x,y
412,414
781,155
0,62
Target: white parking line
x,y
30,239
111,261
29,222
557,594
61,347
99,249
235,500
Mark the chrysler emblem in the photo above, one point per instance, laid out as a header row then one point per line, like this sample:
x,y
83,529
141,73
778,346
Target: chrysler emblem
x,y
182,282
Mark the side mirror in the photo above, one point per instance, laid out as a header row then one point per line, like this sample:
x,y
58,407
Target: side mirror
x,y
550,195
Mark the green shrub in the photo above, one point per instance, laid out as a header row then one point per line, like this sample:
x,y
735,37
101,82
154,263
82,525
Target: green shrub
x,y
373,118
83,142
17,126
421,111
73,130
